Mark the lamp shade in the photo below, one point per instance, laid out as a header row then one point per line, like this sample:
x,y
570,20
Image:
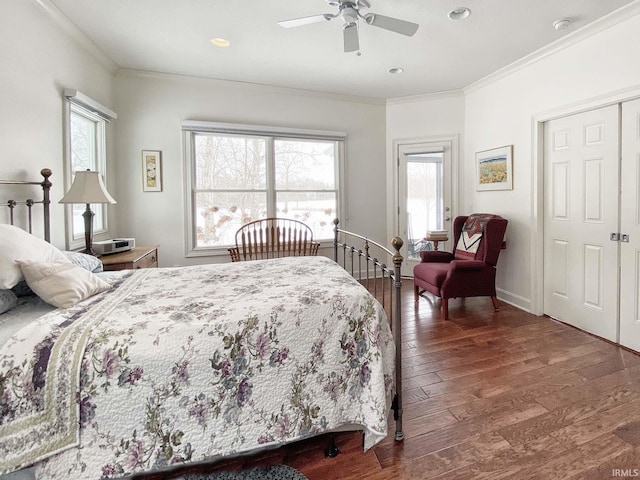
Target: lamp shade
x,y
87,187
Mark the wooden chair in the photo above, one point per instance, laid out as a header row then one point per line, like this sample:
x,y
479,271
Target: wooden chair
x,y
272,238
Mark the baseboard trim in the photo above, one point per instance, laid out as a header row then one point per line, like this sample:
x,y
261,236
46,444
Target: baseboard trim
x,y
515,300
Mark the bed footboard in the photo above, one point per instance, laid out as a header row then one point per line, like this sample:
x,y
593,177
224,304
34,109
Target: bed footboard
x,y
385,283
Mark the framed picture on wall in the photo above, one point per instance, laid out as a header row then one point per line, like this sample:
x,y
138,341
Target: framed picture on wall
x,y
494,169
151,171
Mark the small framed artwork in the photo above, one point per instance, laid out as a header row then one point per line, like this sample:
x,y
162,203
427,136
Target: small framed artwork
x,y
151,171
494,169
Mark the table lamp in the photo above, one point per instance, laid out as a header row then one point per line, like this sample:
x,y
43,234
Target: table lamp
x,y
88,188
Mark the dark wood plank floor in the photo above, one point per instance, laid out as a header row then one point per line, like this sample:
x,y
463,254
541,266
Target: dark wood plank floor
x,y
492,395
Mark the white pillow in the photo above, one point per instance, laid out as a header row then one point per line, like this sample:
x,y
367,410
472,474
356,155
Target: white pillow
x,y
61,284
16,244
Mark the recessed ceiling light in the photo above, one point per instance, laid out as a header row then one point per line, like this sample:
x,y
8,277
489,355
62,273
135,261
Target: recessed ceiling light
x,y
459,13
562,24
220,42
396,70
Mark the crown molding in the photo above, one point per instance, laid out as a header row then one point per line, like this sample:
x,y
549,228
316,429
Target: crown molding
x,y
426,97
256,87
617,16
76,34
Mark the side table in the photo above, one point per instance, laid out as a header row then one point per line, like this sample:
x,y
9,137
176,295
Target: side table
x,y
137,257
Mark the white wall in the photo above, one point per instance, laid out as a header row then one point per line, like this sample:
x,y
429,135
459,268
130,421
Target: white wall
x,y
422,118
150,108
501,112
42,54
39,59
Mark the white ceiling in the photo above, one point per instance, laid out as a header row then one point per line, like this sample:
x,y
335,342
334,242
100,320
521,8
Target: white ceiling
x,y
172,36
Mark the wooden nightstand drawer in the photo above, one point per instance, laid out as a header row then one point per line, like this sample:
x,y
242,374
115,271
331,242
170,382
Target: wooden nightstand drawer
x,y
137,257
150,260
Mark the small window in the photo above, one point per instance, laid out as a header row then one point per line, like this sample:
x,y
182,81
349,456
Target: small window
x,y
86,150
86,142
236,178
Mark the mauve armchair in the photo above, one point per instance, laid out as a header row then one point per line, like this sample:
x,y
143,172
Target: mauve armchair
x,y
470,271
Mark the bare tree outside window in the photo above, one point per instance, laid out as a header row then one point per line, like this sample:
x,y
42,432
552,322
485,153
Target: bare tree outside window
x,y
231,186
241,178
241,173
306,183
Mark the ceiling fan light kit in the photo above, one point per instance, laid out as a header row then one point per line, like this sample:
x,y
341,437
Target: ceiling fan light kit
x,y
349,13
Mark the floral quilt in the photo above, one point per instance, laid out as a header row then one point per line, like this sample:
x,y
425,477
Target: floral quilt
x,y
176,365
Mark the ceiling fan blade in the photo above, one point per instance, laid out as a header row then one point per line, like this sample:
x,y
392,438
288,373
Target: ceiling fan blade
x,y
298,22
363,4
350,34
394,24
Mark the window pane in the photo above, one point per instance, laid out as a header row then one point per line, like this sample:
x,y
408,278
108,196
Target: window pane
x,y
218,215
305,165
223,162
424,198
316,209
84,138
83,143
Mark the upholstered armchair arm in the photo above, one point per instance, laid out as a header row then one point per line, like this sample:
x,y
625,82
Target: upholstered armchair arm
x,y
466,265
435,256
469,278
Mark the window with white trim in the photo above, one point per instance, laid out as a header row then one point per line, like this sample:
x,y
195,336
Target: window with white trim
x,y
239,173
86,150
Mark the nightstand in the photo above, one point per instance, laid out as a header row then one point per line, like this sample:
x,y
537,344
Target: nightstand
x,y
137,257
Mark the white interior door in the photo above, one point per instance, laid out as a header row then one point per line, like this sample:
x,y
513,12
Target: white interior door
x,y
424,189
581,178
630,226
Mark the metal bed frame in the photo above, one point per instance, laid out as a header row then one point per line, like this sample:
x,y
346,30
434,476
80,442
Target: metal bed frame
x,y
29,203
374,270
368,270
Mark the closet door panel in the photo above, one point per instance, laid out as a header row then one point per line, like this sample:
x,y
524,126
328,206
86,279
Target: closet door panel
x,y
630,226
580,211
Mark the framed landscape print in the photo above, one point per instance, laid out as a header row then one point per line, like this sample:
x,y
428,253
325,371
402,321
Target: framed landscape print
x,y
151,171
494,169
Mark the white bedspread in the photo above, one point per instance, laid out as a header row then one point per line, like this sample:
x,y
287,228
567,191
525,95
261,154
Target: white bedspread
x,y
177,365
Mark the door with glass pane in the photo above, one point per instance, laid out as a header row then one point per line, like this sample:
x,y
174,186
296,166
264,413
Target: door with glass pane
x,y
424,174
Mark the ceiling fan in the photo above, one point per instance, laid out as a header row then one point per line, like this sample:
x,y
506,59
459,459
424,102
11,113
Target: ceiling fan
x,y
349,13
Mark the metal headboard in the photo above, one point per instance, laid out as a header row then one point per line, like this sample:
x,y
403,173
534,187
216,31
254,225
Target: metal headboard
x,y
29,203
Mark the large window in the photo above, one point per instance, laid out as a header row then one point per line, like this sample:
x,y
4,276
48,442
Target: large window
x,y
245,174
87,131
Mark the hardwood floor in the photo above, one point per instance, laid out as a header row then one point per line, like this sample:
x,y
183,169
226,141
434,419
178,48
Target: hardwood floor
x,y
493,395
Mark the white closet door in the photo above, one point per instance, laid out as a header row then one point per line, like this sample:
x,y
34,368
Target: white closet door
x,y
630,225
580,212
